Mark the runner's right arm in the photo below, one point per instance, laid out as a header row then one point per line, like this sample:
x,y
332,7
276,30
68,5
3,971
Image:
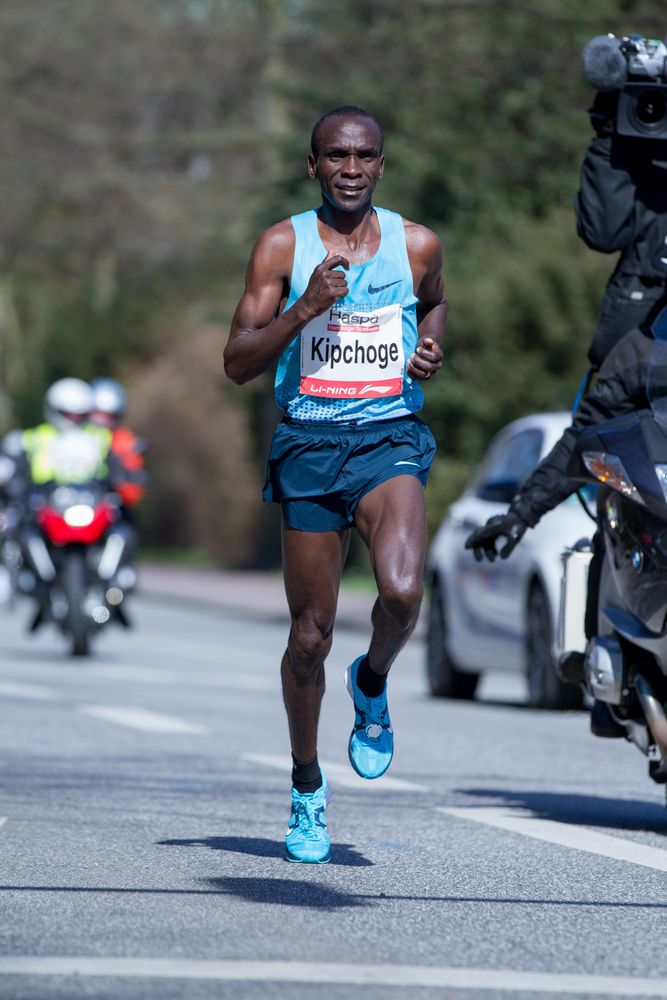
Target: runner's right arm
x,y
260,332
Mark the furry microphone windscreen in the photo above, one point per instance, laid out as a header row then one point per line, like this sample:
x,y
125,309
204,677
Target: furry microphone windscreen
x,y
604,63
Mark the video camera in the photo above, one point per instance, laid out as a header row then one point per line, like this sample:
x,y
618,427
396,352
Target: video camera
x,y
637,67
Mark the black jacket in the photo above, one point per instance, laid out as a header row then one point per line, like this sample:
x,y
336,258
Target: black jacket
x,y
620,388
622,206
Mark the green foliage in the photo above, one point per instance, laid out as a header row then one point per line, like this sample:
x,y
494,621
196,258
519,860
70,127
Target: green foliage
x,y
520,322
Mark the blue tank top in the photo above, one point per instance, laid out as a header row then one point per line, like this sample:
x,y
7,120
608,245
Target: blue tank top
x,y
349,364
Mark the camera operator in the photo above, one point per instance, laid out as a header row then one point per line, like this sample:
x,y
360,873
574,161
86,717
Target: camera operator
x,y
622,203
622,206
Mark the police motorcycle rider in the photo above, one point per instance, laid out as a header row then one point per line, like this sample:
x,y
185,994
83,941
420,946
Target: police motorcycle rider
x,y
66,448
37,451
109,408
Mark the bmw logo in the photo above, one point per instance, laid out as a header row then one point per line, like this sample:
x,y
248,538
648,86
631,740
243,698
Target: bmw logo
x,y
637,559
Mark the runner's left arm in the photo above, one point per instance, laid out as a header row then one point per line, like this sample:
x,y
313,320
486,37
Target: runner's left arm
x,y
425,254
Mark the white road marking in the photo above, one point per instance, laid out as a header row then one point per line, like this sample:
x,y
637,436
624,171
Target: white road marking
x,y
141,718
580,838
342,774
157,675
499,980
17,689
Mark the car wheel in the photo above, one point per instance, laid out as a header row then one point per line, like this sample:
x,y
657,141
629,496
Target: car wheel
x,y
545,689
445,680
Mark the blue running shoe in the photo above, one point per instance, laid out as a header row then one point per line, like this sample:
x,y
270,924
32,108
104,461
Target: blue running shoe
x,y
307,838
371,745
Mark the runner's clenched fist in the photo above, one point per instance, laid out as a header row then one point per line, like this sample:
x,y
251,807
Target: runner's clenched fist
x,y
327,284
426,360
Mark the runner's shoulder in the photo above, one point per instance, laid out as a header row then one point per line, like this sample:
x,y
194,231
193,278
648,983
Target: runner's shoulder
x,y
275,247
421,240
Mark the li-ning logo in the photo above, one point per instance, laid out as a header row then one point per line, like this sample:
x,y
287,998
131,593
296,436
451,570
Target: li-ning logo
x,y
381,288
375,388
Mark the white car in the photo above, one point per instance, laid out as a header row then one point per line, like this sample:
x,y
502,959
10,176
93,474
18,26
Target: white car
x,y
502,615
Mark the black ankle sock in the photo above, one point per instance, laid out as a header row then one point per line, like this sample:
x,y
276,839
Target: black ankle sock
x,y
370,683
306,777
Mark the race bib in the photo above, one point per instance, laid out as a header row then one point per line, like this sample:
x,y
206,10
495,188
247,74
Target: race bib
x,y
353,352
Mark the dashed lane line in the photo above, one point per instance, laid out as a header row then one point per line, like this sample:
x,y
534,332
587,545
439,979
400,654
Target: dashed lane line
x,y
134,673
141,719
156,675
579,838
342,774
325,973
36,692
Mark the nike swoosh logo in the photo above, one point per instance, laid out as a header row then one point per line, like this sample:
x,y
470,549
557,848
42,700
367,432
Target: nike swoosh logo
x,y
407,463
381,288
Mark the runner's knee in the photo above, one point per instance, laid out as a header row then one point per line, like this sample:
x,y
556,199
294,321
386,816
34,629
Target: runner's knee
x,y
401,599
309,643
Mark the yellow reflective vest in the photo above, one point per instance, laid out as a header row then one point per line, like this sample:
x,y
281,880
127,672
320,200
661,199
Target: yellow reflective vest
x,y
78,455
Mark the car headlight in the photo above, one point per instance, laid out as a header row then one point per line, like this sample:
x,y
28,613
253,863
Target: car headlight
x,y
609,469
80,515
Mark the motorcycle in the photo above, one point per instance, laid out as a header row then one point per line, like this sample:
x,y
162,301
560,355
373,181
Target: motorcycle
x,y
625,662
70,552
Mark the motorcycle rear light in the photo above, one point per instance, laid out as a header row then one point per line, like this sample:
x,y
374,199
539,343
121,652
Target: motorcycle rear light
x,y
59,532
609,469
80,515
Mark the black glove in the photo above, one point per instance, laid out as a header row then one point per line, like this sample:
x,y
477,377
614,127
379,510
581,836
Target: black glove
x,y
483,540
603,113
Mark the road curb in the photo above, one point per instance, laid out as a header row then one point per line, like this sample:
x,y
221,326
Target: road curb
x,y
250,595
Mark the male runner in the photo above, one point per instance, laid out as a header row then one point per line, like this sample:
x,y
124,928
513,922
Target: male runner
x,y
349,300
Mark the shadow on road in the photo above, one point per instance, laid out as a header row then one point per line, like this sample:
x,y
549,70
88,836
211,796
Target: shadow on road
x,y
284,892
261,847
288,892
589,810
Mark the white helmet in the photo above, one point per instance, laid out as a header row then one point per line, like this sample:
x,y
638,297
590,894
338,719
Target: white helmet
x,y
110,401
68,402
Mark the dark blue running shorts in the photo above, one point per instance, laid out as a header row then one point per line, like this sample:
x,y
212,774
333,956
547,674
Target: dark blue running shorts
x,y
320,472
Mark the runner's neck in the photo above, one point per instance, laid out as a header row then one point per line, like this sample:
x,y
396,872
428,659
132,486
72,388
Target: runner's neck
x,y
356,236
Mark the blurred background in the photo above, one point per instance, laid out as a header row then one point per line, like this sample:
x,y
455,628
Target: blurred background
x,y
145,145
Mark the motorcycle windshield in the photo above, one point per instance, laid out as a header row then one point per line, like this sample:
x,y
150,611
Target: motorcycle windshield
x,y
656,387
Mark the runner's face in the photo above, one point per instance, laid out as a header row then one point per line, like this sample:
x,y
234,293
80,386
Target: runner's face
x,y
349,164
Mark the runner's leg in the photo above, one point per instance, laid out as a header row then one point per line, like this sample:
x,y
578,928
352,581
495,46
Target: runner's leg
x,y
392,521
312,565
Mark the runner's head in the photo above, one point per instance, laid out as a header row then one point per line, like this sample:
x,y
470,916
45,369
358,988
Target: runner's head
x,y
346,157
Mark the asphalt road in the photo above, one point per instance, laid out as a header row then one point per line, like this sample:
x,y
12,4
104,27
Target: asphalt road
x,y
145,799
